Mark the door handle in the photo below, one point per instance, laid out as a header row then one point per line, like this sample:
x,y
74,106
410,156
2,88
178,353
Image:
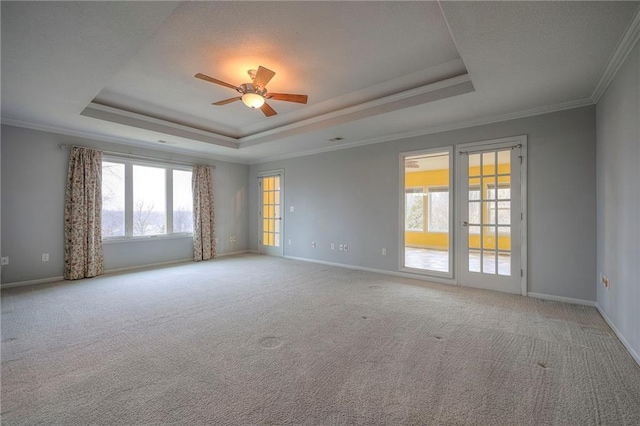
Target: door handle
x,y
465,223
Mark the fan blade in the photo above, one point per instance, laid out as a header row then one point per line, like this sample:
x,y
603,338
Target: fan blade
x,y
215,81
301,99
227,101
267,110
263,76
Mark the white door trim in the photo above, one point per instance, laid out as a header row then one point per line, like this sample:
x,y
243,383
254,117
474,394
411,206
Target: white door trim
x,y
490,145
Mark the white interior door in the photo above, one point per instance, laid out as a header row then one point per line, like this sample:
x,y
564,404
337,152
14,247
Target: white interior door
x,y
271,222
492,242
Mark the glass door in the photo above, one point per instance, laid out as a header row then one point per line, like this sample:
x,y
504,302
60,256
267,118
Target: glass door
x,y
270,212
491,217
426,211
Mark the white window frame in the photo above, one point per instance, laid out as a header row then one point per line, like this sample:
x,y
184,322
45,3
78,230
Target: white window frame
x,y
430,206
128,198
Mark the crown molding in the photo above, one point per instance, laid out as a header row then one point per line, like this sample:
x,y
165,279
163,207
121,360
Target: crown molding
x,y
115,139
437,129
626,43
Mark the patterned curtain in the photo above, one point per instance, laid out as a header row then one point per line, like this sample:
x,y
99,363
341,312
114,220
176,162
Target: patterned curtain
x,y
204,229
83,215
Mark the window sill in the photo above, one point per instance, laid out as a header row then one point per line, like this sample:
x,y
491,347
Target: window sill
x,y
118,240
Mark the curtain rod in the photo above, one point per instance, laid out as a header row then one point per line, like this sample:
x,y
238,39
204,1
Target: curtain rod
x,y
134,156
473,151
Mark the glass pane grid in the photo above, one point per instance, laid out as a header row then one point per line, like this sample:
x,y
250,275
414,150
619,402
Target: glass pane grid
x,y
271,211
489,245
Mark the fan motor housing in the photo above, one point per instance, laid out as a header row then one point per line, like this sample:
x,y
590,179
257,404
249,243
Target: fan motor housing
x,y
250,88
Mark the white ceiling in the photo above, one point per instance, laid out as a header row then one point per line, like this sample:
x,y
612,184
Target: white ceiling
x,y
123,71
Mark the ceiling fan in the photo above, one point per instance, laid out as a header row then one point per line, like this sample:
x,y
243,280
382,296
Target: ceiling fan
x,y
254,94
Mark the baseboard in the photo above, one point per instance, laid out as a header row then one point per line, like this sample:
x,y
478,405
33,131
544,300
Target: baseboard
x,y
148,265
233,253
377,271
31,282
116,270
562,299
620,336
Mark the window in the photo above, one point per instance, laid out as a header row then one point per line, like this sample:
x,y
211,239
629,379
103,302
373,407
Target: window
x,y
112,200
149,201
182,202
142,200
503,206
438,216
414,209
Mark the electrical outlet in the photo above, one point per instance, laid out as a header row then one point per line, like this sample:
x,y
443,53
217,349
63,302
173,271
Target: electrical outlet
x,y
4,260
384,251
313,244
291,209
333,246
45,257
341,247
346,247
289,241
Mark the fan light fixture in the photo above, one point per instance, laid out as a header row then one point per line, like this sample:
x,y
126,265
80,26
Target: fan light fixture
x,y
252,100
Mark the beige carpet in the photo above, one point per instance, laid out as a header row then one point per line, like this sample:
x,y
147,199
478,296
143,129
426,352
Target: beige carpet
x,y
259,340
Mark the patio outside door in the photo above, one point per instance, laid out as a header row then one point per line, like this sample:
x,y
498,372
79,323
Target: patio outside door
x,y
491,222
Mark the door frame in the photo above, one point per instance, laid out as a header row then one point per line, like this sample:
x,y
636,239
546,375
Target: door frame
x,y
267,173
521,141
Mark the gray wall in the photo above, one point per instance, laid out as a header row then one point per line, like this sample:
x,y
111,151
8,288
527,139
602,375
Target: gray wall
x,y
33,180
618,192
351,196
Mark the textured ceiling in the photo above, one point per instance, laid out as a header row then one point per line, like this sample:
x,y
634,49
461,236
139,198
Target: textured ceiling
x,y
324,49
124,70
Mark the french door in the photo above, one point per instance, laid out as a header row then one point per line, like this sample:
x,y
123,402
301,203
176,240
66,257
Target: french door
x,y
492,238
271,214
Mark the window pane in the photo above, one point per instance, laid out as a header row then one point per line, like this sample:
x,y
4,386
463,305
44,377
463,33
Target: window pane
x,y
504,264
474,261
504,162
488,163
489,237
112,200
149,201
488,262
182,202
474,165
438,219
474,189
414,211
504,212
474,213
